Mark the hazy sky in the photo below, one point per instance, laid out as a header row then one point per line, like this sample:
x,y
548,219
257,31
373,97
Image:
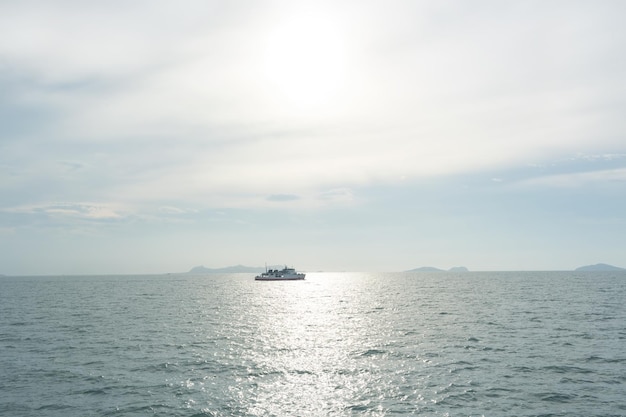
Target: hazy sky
x,y
154,136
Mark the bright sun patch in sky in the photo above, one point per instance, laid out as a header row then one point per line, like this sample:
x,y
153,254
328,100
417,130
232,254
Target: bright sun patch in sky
x,y
304,60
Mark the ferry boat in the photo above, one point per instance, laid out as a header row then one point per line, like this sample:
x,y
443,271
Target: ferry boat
x,y
285,274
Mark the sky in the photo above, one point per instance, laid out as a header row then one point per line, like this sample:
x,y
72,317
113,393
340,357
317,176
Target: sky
x,y
155,136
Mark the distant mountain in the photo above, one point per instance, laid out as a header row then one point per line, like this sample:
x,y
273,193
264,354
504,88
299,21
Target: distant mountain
x,y
433,269
227,270
426,269
600,267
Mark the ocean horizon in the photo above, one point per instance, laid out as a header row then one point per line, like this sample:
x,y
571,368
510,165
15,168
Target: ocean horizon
x,y
253,270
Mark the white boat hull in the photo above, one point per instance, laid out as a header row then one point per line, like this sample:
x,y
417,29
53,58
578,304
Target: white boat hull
x,y
286,278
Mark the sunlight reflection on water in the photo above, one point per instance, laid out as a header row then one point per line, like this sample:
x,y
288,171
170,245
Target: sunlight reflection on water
x,y
318,349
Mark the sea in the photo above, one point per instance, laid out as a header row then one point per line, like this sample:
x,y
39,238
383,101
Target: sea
x,y
335,344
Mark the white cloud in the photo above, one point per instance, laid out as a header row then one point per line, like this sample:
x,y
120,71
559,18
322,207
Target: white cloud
x,y
181,100
283,197
78,210
174,210
579,179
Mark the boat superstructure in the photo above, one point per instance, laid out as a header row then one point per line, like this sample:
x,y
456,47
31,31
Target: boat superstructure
x,y
285,274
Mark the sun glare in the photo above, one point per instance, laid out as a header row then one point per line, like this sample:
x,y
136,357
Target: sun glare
x,y
304,60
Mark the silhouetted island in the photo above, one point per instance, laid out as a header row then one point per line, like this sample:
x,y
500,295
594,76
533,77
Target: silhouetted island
x,y
433,269
600,267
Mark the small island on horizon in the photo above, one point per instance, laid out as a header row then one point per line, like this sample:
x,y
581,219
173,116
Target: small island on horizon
x,y
433,269
600,267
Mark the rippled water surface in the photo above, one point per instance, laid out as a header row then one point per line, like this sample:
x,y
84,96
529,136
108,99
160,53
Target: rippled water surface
x,y
429,344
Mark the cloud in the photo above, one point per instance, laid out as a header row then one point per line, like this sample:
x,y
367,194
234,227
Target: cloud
x,y
156,103
579,179
283,197
601,157
337,194
174,210
86,211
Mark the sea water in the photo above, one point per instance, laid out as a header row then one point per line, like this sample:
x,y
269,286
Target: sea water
x,y
335,344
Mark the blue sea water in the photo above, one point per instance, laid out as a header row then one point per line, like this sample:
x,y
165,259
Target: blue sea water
x,y
336,344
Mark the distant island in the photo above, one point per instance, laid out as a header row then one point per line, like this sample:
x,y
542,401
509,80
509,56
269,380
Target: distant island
x,y
600,267
433,269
